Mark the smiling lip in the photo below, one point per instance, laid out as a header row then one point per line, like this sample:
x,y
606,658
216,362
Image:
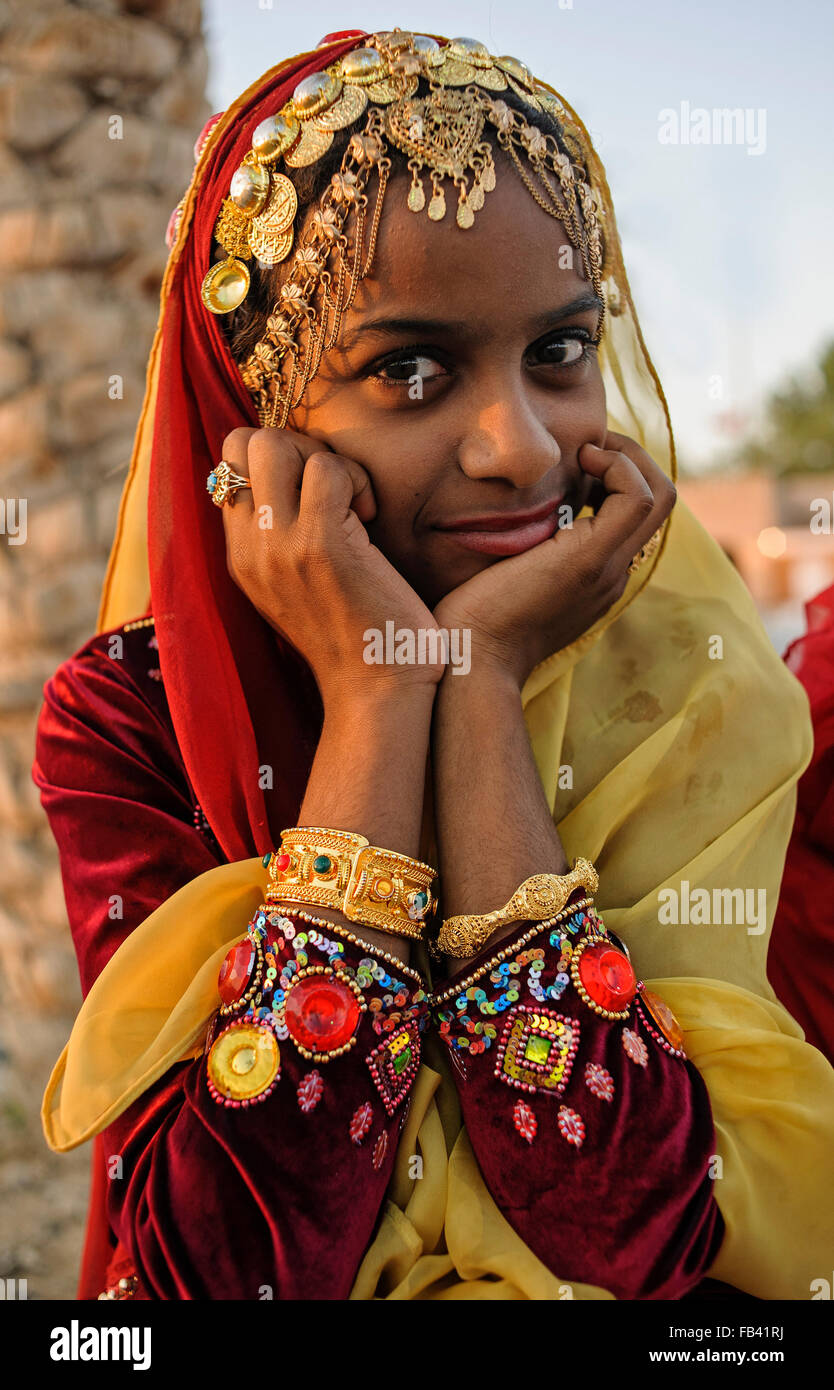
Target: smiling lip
x,y
506,533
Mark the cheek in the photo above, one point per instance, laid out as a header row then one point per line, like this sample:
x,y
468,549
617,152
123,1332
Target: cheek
x,y
580,416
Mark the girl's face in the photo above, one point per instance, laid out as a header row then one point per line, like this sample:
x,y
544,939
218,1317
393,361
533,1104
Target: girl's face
x,y
465,381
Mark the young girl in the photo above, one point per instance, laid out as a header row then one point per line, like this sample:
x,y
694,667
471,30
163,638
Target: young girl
x,y
499,1025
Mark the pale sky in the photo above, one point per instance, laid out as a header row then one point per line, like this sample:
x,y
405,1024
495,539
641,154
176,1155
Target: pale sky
x,y
728,252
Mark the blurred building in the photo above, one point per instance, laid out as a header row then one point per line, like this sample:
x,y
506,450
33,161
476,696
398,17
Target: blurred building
x,y
765,526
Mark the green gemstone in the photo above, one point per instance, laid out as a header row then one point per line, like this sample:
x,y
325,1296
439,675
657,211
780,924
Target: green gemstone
x,y
402,1060
266,859
321,864
537,1049
420,900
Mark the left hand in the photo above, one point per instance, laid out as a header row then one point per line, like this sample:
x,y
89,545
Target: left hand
x,y
524,608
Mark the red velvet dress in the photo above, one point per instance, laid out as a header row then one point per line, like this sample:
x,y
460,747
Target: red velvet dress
x,y
216,1203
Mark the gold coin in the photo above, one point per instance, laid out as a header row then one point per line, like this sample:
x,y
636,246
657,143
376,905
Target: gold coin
x,y
312,145
454,73
389,90
268,246
244,1061
492,79
344,112
282,205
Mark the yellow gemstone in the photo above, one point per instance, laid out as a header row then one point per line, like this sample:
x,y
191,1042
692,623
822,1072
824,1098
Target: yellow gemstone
x,y
363,65
430,47
315,93
244,1060
225,286
516,69
383,887
249,188
274,136
537,1049
471,51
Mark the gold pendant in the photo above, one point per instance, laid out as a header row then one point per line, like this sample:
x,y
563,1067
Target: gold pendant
x,y
416,197
441,130
232,230
344,112
225,286
312,145
244,1063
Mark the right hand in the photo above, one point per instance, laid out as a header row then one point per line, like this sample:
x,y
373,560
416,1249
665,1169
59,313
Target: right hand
x,y
313,573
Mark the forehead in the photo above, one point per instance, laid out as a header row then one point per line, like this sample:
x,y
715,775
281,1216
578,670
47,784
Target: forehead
x,y
512,257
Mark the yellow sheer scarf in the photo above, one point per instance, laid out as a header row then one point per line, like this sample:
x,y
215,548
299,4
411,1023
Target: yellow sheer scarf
x,y
685,736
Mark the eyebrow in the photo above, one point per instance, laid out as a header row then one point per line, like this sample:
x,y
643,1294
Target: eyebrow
x,y
391,326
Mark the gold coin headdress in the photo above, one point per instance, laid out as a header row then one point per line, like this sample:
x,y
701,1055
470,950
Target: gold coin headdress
x,y
441,125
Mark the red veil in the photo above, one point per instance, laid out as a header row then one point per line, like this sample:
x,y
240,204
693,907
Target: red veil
x,y
221,664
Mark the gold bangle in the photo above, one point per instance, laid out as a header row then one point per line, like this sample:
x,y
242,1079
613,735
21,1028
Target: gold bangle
x,y
515,944
538,898
335,868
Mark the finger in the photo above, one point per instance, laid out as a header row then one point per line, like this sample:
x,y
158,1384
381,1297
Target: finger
x,y
639,496
234,452
276,460
332,486
663,489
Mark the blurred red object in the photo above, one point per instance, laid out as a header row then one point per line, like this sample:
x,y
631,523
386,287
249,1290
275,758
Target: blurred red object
x,y
801,956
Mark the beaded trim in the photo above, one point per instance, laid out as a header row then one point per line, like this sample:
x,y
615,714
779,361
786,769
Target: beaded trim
x,y
354,941
137,623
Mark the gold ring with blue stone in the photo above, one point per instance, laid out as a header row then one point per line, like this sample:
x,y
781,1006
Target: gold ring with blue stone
x,y
222,483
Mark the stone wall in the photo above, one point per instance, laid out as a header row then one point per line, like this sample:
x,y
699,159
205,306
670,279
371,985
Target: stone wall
x,y
100,103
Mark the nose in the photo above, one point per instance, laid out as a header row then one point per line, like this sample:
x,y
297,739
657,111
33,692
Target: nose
x,y
506,439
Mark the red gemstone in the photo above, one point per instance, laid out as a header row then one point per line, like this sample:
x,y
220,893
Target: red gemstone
x,y
282,862
321,1013
607,977
236,971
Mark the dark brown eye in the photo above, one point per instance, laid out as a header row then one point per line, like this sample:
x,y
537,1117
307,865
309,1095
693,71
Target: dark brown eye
x,y
562,352
407,369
